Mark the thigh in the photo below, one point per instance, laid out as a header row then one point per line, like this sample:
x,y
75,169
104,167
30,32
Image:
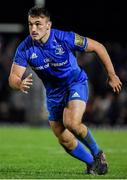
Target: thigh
x,y
55,108
74,111
76,103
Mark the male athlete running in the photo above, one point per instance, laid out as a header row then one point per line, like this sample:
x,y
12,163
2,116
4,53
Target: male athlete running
x,y
50,53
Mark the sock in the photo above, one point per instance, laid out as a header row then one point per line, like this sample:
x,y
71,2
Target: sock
x,y
80,153
90,142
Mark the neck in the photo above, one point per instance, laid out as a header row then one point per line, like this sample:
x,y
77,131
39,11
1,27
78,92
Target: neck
x,y
44,38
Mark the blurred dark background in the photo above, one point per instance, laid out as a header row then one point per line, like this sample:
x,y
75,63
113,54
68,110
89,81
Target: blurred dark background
x,y
104,21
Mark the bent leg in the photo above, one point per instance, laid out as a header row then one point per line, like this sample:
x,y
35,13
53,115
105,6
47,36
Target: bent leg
x,y
72,119
65,137
72,146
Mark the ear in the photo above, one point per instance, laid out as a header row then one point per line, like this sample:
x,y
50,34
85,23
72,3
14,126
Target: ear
x,y
49,24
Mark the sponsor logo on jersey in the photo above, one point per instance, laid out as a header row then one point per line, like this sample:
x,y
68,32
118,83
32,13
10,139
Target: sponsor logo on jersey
x,y
59,64
42,67
51,65
75,95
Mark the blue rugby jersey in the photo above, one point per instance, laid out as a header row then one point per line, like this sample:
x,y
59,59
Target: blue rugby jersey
x,y
54,61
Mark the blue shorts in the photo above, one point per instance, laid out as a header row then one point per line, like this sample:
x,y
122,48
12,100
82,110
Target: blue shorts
x,y
57,104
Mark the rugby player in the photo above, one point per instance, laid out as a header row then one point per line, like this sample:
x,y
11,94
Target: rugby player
x,y
51,54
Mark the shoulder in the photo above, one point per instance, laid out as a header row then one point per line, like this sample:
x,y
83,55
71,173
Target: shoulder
x,y
61,34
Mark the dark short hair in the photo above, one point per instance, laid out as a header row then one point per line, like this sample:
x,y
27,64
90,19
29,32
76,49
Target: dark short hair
x,y
38,11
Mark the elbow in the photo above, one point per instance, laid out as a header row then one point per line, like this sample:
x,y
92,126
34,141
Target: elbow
x,y
101,47
14,81
95,46
11,81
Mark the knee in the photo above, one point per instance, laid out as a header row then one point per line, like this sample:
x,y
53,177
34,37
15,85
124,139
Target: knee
x,y
72,124
67,140
71,121
77,128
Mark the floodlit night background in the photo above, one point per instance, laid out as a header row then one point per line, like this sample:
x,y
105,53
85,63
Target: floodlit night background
x,y
28,148
103,21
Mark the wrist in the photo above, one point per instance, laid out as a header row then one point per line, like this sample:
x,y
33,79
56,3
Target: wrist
x,y
17,84
110,75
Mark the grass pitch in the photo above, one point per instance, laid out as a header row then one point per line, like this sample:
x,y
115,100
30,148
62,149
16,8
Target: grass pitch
x,y
34,153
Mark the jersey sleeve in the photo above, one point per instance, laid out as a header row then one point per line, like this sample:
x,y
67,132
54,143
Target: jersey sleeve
x,y
20,56
75,41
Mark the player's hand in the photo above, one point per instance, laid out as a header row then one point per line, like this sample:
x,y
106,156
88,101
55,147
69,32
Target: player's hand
x,y
115,83
26,83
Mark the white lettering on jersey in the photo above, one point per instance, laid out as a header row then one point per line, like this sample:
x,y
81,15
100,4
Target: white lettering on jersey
x,y
51,64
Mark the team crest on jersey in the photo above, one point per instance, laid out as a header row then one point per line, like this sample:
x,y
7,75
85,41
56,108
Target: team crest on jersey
x,y
59,50
79,40
47,60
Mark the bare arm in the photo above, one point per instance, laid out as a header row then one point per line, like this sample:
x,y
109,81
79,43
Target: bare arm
x,y
101,51
15,78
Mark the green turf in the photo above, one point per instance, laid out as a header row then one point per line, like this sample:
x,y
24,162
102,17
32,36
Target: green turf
x,y
34,153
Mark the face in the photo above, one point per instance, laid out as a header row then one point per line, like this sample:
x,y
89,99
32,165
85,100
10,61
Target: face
x,y
39,28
